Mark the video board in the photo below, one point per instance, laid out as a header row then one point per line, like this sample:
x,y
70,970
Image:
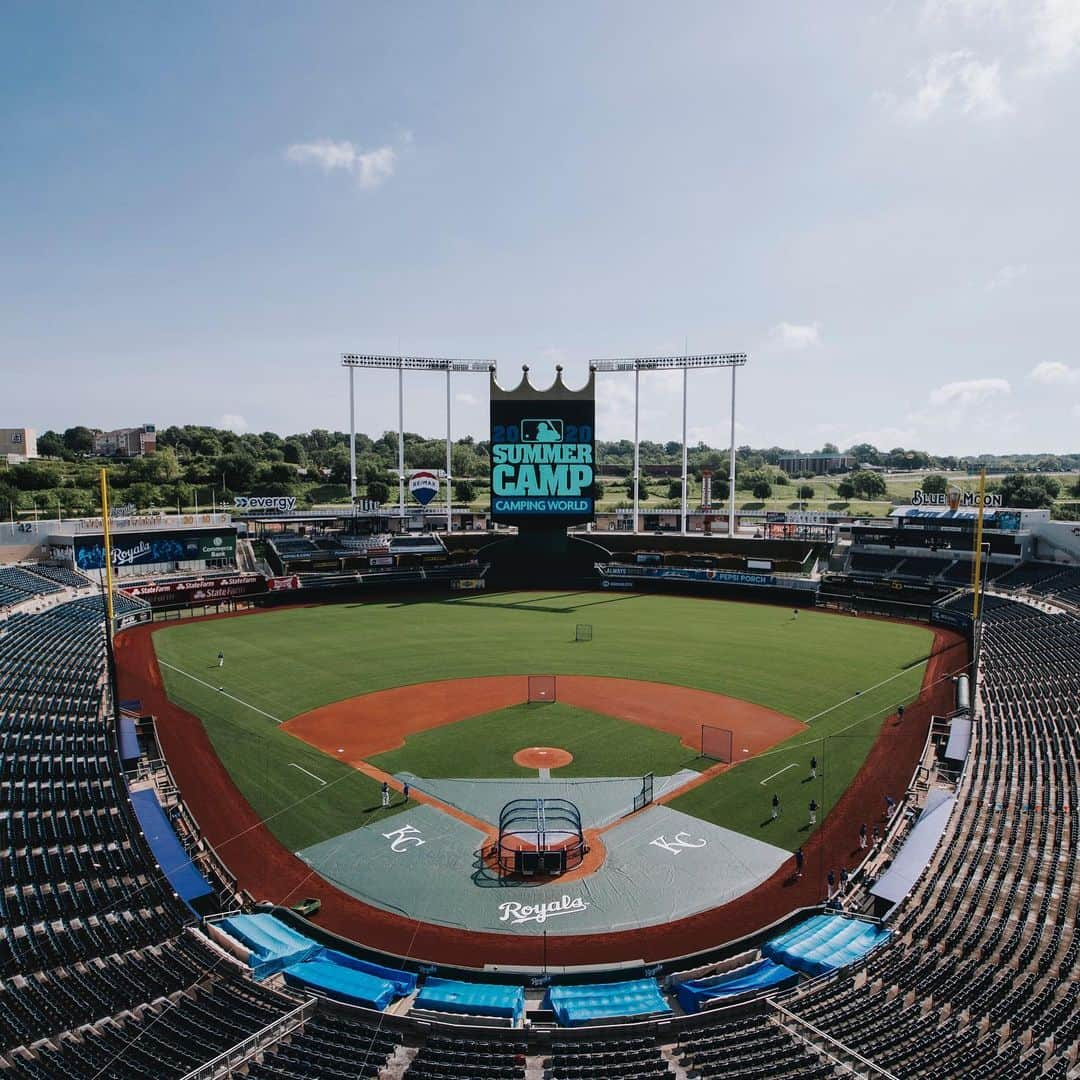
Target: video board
x,y
543,455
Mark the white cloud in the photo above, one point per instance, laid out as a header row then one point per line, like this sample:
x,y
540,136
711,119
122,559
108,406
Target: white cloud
x,y
1055,35
1054,373
466,399
234,422
969,392
794,336
884,438
936,11
1076,410
1007,275
370,167
956,77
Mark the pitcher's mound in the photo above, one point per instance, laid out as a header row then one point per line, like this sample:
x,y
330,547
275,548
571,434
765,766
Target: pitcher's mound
x,y
543,757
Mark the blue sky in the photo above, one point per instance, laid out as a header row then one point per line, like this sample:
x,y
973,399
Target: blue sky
x,y
202,205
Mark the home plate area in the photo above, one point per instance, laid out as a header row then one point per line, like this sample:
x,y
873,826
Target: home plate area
x,y
660,865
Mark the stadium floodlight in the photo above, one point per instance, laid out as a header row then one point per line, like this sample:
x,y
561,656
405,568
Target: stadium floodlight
x,y
638,364
401,364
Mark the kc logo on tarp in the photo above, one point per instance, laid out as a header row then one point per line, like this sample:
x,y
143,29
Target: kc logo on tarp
x,y
401,839
681,842
423,486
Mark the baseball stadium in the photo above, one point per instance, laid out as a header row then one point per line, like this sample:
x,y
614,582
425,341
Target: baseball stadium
x,y
412,791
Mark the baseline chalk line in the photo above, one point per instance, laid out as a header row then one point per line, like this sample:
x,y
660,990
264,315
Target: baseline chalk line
x,y
311,774
777,773
210,686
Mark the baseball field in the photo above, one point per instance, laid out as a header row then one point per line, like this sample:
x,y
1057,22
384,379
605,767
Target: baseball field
x,y
839,676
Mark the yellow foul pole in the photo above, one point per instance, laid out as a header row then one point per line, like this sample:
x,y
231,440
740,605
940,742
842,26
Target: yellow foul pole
x,y
977,562
108,549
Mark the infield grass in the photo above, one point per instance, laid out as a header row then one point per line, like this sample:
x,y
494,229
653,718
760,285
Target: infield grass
x,y
484,746
290,661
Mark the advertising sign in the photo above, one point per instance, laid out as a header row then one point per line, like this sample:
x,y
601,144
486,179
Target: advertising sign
x,y
198,590
690,573
543,454
423,486
953,499
283,503
147,549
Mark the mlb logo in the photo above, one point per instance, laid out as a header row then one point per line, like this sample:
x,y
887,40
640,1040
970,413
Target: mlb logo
x,y
541,431
423,486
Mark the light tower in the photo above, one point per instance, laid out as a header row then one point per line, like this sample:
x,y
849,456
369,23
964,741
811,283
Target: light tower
x,y
638,364
401,364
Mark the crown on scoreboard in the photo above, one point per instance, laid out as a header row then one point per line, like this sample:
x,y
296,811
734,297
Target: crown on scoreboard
x,y
558,390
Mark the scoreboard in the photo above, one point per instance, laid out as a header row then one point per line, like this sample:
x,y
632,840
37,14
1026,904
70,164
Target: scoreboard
x,y
543,454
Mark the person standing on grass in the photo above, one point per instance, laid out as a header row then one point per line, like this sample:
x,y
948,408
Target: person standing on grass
x,y
813,768
813,811
899,714
775,807
221,658
385,794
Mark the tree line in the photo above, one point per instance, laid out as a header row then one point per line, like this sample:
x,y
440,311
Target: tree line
x,y
202,464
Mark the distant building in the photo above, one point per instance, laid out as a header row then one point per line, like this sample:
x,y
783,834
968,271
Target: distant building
x,y
17,444
818,464
126,442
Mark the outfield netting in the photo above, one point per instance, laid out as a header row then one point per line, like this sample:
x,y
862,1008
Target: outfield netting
x,y
583,632
716,743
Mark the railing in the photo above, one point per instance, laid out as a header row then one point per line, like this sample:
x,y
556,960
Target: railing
x,y
238,1055
836,1051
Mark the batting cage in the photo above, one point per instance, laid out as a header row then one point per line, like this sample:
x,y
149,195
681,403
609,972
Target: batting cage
x,y
716,743
542,688
539,836
583,631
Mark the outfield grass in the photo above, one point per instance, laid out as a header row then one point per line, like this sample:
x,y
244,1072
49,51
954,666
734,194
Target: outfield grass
x,y
290,661
484,746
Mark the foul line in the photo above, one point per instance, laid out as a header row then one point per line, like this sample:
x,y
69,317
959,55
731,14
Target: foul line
x,y
311,774
777,773
217,689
